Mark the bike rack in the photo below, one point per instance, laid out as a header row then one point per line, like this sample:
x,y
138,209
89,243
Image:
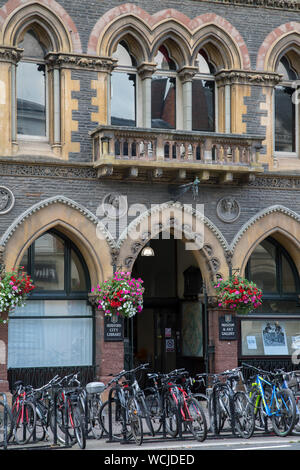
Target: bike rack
x,y
67,442
124,430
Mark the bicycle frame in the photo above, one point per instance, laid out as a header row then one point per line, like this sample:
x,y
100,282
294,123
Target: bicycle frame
x,y
268,407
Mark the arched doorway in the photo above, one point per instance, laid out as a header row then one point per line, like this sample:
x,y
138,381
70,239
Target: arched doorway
x,y
170,332
55,329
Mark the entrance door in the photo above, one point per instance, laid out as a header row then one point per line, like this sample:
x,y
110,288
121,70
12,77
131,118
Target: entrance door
x,y
170,337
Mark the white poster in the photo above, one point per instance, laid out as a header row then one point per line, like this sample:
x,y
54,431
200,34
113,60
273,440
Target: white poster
x,y
274,339
251,342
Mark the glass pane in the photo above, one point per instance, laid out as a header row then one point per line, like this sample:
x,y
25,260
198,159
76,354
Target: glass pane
x,y
263,267
275,306
123,86
269,337
284,120
49,263
31,99
163,102
77,274
203,105
50,342
288,280
53,308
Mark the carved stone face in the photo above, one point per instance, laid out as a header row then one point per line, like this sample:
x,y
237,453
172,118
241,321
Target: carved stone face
x,y
7,200
4,198
228,209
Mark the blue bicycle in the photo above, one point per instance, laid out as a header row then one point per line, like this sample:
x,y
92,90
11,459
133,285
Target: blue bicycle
x,y
273,401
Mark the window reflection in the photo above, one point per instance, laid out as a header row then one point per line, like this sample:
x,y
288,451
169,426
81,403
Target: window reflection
x,y
31,87
203,102
285,111
163,104
285,136
31,99
123,99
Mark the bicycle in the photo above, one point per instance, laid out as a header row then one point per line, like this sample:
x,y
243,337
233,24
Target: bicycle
x,y
225,403
5,421
23,415
277,403
67,417
117,420
189,412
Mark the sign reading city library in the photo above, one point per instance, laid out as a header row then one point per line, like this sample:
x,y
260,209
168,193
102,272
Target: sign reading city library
x,y
113,328
227,328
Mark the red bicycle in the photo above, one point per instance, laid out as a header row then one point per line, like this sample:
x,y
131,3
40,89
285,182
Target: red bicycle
x,y
23,415
189,411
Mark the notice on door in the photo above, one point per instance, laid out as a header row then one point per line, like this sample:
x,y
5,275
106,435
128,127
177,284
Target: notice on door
x,y
113,328
170,345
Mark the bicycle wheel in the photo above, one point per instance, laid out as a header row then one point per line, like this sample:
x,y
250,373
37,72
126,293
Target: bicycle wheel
x,y
153,405
243,415
63,432
94,417
171,416
204,402
215,413
116,420
5,424
135,421
196,419
77,422
24,423
260,416
284,412
146,414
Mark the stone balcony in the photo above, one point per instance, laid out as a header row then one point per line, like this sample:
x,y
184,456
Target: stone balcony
x,y
169,155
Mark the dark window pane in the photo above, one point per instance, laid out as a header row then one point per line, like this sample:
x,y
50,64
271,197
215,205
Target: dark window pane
x,y
288,279
284,120
31,99
123,99
163,102
77,274
49,267
203,105
263,267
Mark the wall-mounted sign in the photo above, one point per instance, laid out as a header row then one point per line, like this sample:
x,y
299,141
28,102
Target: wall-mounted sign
x,y
170,345
113,328
227,328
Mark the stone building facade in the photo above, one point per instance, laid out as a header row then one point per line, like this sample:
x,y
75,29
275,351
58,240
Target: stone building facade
x,y
187,114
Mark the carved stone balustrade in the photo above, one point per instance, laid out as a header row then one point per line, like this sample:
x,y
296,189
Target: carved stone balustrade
x,y
167,155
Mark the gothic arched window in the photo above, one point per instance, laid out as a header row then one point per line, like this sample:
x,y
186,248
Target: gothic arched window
x,y
55,327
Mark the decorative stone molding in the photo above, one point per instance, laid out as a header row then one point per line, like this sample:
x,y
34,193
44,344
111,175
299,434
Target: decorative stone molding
x,y
261,214
79,61
10,54
54,200
292,5
242,77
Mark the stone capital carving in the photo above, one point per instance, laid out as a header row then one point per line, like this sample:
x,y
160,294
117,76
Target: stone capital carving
x,y
10,54
146,69
186,74
241,77
97,63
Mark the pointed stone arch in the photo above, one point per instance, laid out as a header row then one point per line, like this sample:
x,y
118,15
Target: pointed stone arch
x,y
18,14
72,219
279,41
153,27
204,238
278,221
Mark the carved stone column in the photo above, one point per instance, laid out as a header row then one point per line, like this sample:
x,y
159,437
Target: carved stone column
x,y
186,75
146,70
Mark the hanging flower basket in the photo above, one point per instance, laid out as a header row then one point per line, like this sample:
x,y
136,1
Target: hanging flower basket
x,y
121,294
14,289
238,294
